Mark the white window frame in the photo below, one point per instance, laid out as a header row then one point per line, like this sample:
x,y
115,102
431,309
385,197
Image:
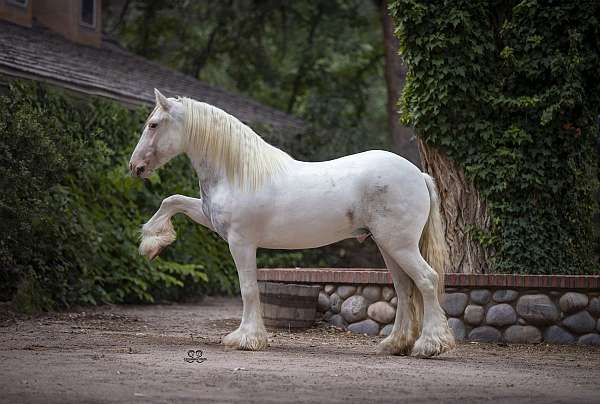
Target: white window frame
x,y
94,16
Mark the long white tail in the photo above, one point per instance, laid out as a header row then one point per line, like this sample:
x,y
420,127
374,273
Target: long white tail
x,y
433,243
433,249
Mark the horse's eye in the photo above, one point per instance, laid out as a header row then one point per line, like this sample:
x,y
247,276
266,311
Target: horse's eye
x,y
153,125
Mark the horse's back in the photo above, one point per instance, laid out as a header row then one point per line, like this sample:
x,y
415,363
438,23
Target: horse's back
x,y
362,172
367,162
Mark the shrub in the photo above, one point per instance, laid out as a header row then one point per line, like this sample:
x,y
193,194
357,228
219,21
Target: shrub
x,y
71,214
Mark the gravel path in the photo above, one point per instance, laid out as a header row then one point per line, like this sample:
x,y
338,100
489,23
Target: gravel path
x,y
136,354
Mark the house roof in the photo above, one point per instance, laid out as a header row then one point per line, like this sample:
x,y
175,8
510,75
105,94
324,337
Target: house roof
x,y
110,71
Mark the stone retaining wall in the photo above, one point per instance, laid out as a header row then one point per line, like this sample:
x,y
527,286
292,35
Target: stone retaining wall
x,y
487,308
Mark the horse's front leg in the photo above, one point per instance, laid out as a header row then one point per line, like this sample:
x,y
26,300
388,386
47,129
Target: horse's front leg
x,y
251,334
158,232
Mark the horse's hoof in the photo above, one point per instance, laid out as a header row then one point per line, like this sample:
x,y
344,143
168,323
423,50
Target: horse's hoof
x,y
246,341
395,345
428,346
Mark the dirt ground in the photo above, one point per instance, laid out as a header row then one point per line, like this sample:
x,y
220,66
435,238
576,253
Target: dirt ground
x,y
136,354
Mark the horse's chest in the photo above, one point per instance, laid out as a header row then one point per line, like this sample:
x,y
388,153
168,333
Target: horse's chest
x,y
219,214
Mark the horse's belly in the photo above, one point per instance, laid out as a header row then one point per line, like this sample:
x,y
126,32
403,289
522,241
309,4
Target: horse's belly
x,y
292,239
304,229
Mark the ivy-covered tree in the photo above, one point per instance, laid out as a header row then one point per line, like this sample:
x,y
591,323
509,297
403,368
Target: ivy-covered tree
x,y
503,97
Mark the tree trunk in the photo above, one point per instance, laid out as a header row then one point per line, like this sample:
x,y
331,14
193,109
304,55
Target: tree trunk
x,y
402,138
462,210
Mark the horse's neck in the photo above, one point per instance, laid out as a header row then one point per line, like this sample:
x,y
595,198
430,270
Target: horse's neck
x,y
247,160
208,176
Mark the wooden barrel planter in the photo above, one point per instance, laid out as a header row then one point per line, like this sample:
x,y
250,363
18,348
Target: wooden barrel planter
x,y
288,305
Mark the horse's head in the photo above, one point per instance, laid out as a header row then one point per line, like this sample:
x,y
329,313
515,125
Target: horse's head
x,y
162,137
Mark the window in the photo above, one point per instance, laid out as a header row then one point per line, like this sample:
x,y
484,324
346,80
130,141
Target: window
x,y
88,13
20,3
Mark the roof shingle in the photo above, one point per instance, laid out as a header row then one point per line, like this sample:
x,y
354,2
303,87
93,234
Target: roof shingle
x,y
109,71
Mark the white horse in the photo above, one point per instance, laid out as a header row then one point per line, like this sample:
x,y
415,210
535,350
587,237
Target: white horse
x,y
255,195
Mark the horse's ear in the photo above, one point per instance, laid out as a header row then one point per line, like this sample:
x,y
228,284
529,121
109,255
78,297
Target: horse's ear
x,y
162,100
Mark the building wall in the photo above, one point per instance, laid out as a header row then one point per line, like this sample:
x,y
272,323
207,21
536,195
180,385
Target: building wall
x,y
501,308
483,314
63,17
13,12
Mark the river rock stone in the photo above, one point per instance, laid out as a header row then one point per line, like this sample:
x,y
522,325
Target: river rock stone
x,y
335,303
501,314
571,302
387,330
522,334
323,301
329,289
558,335
594,306
485,334
474,314
589,339
327,315
354,308
505,296
345,291
394,301
382,312
387,293
454,304
458,328
580,323
367,326
372,293
338,321
598,326
480,296
537,309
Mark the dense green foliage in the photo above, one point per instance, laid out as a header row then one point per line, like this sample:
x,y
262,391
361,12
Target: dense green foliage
x,y
320,60
510,91
71,214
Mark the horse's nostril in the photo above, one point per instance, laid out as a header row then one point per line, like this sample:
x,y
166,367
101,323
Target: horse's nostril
x,y
140,170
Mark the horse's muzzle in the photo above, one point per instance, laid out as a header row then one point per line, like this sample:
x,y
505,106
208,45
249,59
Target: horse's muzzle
x,y
137,170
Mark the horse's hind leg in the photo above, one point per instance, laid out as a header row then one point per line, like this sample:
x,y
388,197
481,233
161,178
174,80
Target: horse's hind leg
x,y
406,326
436,337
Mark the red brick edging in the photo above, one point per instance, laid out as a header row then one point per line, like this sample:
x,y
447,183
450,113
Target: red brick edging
x,y
382,276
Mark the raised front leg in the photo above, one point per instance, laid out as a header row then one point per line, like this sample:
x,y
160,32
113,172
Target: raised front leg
x,y
158,232
251,334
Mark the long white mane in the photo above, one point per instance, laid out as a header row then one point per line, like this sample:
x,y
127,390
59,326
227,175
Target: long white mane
x,y
230,145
